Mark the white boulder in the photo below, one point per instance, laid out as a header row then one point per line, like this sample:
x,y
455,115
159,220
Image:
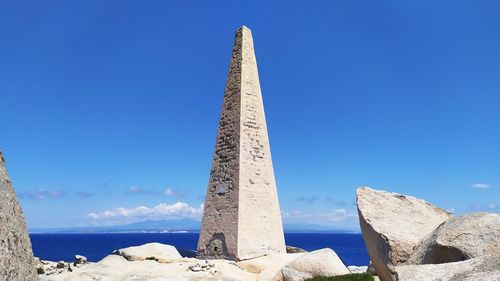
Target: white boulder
x,y
323,262
393,224
153,251
460,238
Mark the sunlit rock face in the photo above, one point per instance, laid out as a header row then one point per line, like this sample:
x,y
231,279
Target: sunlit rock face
x,y
16,256
392,225
460,238
483,268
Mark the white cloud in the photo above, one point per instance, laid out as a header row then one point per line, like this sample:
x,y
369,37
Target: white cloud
x,y
160,211
170,192
480,186
492,206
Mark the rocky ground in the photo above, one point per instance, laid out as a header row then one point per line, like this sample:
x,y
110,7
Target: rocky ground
x,y
157,262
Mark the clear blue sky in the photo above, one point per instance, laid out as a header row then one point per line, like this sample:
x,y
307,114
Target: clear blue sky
x,y
109,104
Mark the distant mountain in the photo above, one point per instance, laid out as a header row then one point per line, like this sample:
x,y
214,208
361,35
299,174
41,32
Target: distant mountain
x,y
311,228
162,225
172,226
151,226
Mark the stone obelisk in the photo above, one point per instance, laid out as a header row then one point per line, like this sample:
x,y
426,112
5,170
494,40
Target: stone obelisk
x,y
242,218
16,256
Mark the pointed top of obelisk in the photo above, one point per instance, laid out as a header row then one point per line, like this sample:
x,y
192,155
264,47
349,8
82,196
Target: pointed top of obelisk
x,y
244,27
243,30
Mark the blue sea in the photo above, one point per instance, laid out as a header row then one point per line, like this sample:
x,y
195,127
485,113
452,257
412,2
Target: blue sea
x,y
350,247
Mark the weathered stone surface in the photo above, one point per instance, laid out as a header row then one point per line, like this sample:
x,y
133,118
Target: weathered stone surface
x,y
52,267
273,267
205,266
392,225
16,256
484,268
293,250
242,218
268,267
152,251
460,238
290,274
117,268
323,262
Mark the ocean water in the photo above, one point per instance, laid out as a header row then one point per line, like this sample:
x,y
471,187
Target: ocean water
x,y
350,247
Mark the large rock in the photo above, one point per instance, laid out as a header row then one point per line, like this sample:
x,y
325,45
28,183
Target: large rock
x,y
459,239
484,268
392,225
150,251
16,257
323,262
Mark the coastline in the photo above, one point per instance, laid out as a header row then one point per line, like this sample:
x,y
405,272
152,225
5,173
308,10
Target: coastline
x,y
95,246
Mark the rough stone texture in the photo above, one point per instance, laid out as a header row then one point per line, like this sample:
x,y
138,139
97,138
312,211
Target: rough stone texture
x,y
392,225
293,250
117,268
53,268
323,262
290,274
156,251
484,268
460,238
268,267
16,256
242,217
